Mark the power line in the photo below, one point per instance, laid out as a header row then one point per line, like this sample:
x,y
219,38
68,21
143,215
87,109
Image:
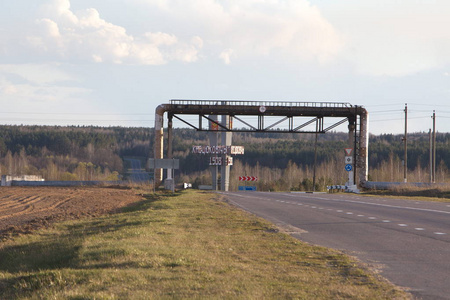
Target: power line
x,y
384,111
75,114
423,104
398,119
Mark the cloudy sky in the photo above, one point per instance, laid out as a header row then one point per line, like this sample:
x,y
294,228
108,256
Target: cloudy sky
x,y
105,63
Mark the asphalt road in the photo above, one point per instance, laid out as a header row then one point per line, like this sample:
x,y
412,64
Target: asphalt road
x,y
137,173
408,241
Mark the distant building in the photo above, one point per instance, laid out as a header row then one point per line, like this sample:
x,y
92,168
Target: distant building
x,y
8,179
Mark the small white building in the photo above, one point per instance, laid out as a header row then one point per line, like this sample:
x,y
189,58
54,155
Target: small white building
x,y
8,179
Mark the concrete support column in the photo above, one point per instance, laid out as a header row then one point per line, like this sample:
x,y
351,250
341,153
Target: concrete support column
x,y
226,141
159,145
351,144
213,141
364,147
169,143
159,139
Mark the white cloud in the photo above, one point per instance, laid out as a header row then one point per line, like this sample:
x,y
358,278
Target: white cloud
x,y
226,56
180,30
65,35
36,74
395,38
254,28
30,86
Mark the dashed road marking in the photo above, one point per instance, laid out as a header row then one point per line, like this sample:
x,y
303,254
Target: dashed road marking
x,y
440,233
372,218
349,213
386,221
402,225
419,229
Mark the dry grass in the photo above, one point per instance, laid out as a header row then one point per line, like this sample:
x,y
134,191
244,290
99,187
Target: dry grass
x,y
176,247
436,193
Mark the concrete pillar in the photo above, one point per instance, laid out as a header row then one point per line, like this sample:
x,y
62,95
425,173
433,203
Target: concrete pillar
x,y
213,141
364,147
226,141
159,139
169,143
351,144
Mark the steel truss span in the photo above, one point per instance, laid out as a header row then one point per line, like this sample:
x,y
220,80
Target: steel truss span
x,y
288,112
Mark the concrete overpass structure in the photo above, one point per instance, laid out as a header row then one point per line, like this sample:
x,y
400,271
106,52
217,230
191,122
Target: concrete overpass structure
x,y
297,115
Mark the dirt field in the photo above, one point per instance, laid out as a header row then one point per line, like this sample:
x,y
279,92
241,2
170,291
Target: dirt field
x,y
24,209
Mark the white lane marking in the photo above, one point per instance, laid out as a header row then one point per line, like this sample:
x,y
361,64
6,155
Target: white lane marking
x,y
340,210
386,221
372,218
349,213
313,207
320,207
386,205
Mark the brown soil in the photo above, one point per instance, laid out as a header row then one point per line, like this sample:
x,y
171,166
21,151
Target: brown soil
x,y
24,209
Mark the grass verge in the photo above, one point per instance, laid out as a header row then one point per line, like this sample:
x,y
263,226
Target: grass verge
x,y
173,247
438,193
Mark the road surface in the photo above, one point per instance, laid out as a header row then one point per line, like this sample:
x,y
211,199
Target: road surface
x,y
409,241
136,172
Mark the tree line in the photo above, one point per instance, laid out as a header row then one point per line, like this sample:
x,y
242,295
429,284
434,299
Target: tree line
x,y
282,161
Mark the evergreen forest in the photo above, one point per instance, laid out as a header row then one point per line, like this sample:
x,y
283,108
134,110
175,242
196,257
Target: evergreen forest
x,y
280,161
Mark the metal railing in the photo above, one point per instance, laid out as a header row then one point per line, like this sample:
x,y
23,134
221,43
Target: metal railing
x,y
262,103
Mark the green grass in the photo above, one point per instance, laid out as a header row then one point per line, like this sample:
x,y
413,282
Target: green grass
x,y
189,245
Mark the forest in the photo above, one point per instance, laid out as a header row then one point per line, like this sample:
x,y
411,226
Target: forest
x,y
281,161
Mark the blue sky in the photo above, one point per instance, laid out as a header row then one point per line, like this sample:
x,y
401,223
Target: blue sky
x,y
108,63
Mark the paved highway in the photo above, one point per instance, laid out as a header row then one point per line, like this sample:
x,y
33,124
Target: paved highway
x,y
137,173
409,241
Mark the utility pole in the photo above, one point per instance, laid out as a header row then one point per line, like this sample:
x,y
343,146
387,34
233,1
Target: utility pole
x,y
430,165
434,147
405,162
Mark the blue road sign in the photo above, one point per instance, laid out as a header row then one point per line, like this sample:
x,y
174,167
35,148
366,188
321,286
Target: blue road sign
x,y
247,188
348,167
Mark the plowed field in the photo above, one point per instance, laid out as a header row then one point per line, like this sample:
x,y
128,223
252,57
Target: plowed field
x,y
23,209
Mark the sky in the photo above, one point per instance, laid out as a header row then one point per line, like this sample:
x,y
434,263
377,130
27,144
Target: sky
x,y
111,63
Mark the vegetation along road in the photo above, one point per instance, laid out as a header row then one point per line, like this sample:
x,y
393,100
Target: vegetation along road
x,y
407,240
